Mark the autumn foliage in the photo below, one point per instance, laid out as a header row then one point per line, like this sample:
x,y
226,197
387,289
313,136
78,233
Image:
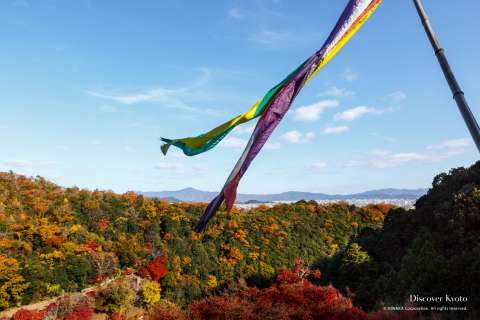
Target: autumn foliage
x,y
156,269
245,265
24,314
292,296
166,311
56,240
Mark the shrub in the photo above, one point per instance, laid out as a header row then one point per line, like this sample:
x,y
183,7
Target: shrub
x,y
81,313
166,311
114,298
24,314
156,269
291,297
151,292
74,308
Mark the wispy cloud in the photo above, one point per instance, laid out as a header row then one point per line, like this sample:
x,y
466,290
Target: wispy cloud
x,y
395,97
297,137
244,129
275,39
387,159
336,93
274,145
177,154
357,112
350,75
173,166
271,38
452,144
316,166
130,149
312,112
157,94
384,137
380,158
29,164
235,13
233,142
178,98
257,13
335,130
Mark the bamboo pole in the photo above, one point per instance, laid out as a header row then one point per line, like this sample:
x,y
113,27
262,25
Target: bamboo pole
x,y
458,94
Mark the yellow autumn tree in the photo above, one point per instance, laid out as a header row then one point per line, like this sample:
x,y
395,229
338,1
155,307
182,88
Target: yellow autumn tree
x,y
12,284
151,292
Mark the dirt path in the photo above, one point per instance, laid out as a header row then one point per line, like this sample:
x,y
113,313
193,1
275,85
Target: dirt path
x,y
40,305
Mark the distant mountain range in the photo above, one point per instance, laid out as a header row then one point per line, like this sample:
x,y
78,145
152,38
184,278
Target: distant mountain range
x,y
195,195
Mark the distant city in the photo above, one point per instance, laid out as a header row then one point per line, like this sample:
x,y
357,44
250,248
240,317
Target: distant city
x,y
404,203
400,197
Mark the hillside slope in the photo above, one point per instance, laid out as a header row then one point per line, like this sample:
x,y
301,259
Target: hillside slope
x,y
58,240
433,250
55,240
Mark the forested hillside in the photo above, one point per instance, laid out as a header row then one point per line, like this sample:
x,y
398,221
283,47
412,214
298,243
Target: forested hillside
x,y
56,240
433,250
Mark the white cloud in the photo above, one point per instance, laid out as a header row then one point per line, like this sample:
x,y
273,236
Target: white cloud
x,y
169,166
337,93
312,112
452,147
335,130
176,153
352,163
130,149
157,94
386,138
379,158
452,144
357,112
297,137
349,75
292,136
396,96
200,169
387,160
272,145
233,142
244,129
271,38
379,152
235,13
318,165
28,164
178,98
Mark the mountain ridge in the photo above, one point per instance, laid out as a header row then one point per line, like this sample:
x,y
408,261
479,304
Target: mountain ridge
x,y
195,195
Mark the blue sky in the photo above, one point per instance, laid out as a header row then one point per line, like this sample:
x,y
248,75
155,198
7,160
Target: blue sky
x,y
88,87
